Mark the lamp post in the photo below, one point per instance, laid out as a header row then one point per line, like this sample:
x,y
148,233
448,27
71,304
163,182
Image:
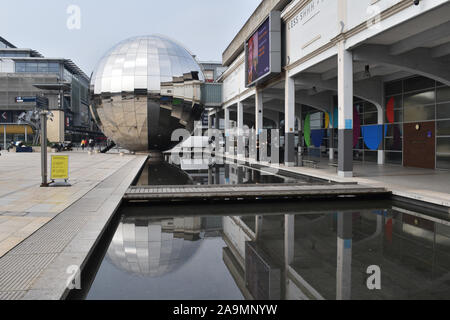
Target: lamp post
x,y
43,116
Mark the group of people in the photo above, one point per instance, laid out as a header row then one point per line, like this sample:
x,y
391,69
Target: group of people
x,y
85,143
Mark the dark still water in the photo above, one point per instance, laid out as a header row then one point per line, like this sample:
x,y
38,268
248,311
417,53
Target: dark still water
x,y
340,249
163,173
294,251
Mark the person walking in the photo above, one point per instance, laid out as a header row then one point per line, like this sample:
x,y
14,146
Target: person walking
x,y
83,144
92,144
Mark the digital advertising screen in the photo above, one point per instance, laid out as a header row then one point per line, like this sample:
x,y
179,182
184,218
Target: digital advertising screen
x,y
258,47
263,51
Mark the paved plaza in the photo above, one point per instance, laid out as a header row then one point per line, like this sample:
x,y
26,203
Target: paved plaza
x,y
43,228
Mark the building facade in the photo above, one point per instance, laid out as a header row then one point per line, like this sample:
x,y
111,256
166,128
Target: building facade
x,y
360,80
26,74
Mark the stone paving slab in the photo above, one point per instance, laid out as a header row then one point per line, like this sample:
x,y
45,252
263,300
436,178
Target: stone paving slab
x,y
25,207
45,257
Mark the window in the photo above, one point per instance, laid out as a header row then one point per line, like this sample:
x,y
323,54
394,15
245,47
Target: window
x,y
43,67
443,128
53,67
31,67
20,67
209,75
418,83
419,106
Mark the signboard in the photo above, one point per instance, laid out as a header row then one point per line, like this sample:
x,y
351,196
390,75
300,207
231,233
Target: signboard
x,y
312,27
60,168
263,51
25,99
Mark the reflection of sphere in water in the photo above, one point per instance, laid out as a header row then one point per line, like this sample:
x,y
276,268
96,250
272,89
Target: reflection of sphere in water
x,y
145,88
154,248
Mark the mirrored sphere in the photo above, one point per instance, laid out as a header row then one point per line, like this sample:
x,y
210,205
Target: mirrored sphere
x,y
143,90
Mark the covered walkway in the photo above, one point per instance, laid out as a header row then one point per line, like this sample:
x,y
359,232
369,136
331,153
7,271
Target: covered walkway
x,y
431,186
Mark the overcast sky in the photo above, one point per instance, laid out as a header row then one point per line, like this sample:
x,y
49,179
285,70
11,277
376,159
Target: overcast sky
x,y
205,27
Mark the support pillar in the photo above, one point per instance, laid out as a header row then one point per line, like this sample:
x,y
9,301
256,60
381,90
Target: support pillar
x,y
344,257
345,98
331,142
227,131
210,176
217,175
210,122
217,121
240,130
258,227
240,174
381,153
289,120
258,122
289,221
300,138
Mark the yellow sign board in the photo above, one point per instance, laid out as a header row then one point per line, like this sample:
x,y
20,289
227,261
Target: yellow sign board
x,y
60,167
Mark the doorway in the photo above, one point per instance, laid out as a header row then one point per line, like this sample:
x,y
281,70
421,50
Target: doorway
x,y
419,146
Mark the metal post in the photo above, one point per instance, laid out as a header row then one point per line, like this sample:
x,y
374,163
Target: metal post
x,y
43,116
26,134
4,137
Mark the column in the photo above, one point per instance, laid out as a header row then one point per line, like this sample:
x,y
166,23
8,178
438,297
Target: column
x,y
26,133
240,174
227,130
300,137
258,119
381,154
344,257
331,141
258,227
240,130
227,173
289,222
210,125
210,175
217,175
345,98
210,120
289,120
4,137
217,120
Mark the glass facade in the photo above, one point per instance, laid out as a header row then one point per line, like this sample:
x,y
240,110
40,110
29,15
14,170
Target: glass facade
x,y
418,99
14,54
411,100
37,67
368,115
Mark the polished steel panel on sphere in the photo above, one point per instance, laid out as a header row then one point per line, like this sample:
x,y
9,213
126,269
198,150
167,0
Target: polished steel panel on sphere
x,y
145,88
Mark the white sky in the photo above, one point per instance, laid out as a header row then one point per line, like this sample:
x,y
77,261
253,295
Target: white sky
x,y
205,27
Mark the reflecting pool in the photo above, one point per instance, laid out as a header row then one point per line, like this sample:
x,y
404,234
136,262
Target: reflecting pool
x,y
157,172
337,249
319,250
